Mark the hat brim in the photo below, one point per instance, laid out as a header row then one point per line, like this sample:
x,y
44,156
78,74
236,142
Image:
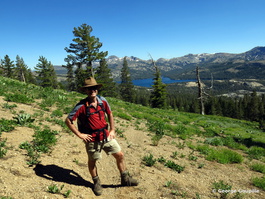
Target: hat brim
x,y
87,86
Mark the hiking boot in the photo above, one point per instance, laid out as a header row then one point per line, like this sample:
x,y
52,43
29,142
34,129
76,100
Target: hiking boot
x,y
97,189
127,180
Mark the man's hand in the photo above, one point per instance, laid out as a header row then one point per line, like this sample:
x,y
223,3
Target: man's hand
x,y
112,134
85,137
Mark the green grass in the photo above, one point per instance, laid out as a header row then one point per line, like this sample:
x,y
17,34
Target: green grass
x,y
19,98
6,125
221,155
258,167
259,182
255,152
3,150
224,156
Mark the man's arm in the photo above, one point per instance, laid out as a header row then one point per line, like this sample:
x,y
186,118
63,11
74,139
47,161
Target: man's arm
x,y
112,126
72,127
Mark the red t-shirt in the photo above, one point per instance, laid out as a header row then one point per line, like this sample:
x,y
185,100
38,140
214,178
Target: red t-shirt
x,y
90,124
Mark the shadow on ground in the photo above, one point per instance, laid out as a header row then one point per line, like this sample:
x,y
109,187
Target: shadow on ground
x,y
60,174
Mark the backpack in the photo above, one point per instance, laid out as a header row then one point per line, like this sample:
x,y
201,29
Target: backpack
x,y
88,114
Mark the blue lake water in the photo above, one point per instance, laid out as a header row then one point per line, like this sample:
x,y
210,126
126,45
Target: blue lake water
x,y
149,82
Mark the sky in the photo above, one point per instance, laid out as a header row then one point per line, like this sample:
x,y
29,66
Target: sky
x,y
139,28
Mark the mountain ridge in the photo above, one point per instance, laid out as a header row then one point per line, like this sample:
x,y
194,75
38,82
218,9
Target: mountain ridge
x,y
183,67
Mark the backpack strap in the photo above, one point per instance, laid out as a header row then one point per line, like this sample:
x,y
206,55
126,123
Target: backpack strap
x,y
97,131
88,113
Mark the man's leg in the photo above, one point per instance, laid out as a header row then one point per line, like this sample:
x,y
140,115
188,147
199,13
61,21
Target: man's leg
x,y
126,180
120,161
92,168
94,174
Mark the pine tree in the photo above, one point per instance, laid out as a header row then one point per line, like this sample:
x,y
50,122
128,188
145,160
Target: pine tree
x,y
126,86
142,96
21,69
159,93
22,72
104,77
46,74
85,51
30,77
253,107
8,67
70,74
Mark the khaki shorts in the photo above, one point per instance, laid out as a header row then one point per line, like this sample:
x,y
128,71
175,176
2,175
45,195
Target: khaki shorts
x,y
94,149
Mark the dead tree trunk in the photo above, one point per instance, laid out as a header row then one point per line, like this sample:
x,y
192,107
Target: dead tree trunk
x,y
200,91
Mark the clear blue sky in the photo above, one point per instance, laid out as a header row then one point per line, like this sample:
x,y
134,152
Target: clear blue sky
x,y
163,28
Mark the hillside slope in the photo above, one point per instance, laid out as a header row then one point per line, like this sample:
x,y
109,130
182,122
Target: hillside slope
x,y
66,164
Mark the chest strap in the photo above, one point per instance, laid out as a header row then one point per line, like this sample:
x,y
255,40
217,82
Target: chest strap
x,y
88,113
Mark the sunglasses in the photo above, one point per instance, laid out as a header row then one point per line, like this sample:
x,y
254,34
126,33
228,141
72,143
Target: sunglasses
x,y
92,88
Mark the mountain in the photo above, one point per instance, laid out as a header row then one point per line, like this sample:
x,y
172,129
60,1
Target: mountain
x,y
250,64
184,67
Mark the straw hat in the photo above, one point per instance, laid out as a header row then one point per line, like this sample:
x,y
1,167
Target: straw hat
x,y
89,82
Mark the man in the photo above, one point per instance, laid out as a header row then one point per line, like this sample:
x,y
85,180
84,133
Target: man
x,y
93,130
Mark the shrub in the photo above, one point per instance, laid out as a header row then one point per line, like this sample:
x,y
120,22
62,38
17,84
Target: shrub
x,y
6,125
180,129
57,113
67,110
203,149
224,156
149,160
258,167
215,141
259,182
209,132
137,115
19,98
157,127
7,106
42,143
32,153
54,189
44,139
161,160
172,165
124,116
24,118
255,152
230,142
3,151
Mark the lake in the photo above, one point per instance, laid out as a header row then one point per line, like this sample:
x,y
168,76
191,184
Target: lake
x,y
149,82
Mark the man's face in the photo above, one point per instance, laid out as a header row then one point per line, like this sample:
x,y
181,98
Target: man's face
x,y
92,91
